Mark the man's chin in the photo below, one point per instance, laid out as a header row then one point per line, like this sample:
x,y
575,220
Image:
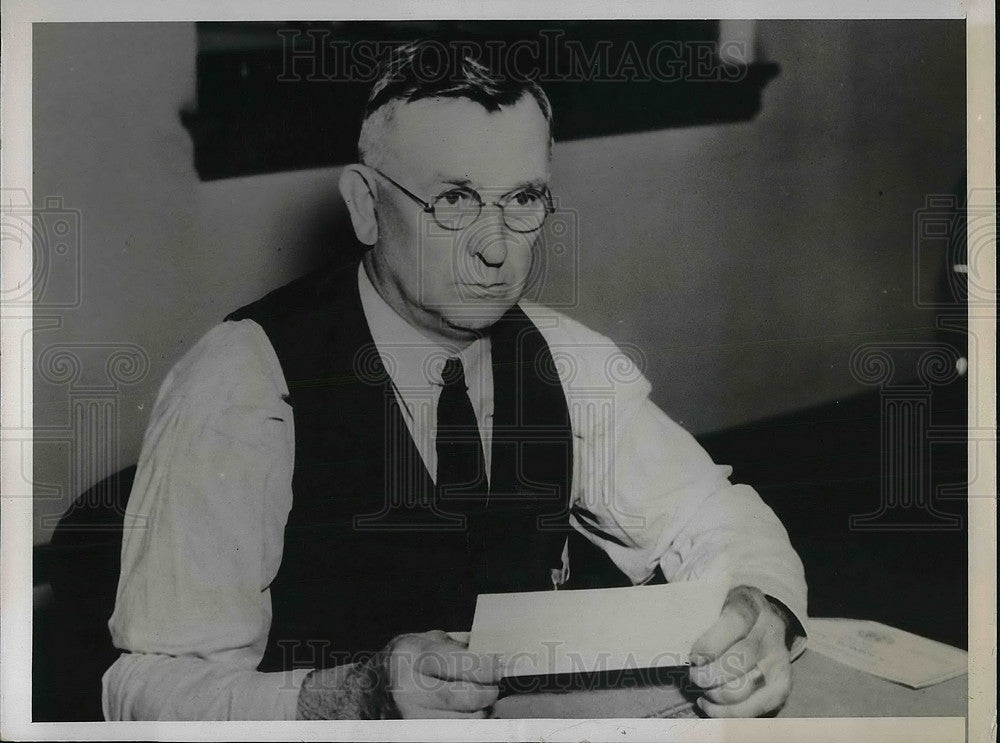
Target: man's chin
x,y
476,320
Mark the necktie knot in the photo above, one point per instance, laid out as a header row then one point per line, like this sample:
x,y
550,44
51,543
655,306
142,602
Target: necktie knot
x,y
453,374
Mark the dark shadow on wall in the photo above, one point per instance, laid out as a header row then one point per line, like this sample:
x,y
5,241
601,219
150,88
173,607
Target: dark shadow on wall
x,y
821,471
326,238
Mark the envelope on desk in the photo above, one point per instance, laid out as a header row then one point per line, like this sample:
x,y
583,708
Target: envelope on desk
x,y
887,652
607,629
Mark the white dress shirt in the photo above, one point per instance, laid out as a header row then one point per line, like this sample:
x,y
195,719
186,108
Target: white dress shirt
x,y
213,491
414,364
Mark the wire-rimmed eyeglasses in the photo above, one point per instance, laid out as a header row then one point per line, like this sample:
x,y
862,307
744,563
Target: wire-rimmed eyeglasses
x,y
523,209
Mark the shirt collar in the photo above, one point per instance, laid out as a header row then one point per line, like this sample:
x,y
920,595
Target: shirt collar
x,y
413,360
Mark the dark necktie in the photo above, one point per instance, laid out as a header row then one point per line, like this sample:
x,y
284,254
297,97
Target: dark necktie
x,y
461,468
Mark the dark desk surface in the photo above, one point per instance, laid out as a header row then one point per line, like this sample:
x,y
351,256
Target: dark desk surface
x,y
822,688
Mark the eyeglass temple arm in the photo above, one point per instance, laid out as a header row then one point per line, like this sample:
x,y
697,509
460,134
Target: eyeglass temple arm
x,y
427,207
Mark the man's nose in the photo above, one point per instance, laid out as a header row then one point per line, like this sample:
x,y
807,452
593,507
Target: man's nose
x,y
491,245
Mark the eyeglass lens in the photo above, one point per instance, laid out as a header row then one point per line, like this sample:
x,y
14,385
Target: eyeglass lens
x,y
524,211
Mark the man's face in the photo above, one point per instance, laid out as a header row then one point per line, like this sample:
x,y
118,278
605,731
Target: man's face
x,y
453,284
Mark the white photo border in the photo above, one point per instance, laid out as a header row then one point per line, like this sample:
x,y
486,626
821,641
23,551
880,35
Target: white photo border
x,y
16,387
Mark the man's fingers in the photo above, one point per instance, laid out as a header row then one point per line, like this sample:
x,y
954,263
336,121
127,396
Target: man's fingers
x,y
433,675
457,696
438,655
737,689
453,661
416,712
769,697
730,666
734,623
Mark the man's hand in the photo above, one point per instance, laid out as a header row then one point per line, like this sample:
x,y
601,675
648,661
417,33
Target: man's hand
x,y
742,661
419,676
433,675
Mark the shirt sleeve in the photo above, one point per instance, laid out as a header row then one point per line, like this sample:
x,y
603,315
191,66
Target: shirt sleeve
x,y
203,540
649,493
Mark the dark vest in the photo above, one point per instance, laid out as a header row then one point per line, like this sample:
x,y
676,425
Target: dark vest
x,y
372,549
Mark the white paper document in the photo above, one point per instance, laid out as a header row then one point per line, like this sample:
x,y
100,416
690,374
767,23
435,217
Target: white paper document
x,y
887,652
608,629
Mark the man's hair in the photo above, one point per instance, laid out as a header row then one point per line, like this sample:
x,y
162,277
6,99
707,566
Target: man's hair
x,y
432,69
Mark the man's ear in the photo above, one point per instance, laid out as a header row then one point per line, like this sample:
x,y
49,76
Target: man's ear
x,y
357,193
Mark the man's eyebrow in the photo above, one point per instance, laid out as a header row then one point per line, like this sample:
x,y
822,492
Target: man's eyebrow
x,y
531,183
538,183
456,181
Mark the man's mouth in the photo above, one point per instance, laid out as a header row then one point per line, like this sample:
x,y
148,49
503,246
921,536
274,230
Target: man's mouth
x,y
498,287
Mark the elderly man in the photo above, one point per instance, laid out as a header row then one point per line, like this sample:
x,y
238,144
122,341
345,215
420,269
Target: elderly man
x,y
332,475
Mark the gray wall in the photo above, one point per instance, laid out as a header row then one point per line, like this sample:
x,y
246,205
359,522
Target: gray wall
x,y
746,260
